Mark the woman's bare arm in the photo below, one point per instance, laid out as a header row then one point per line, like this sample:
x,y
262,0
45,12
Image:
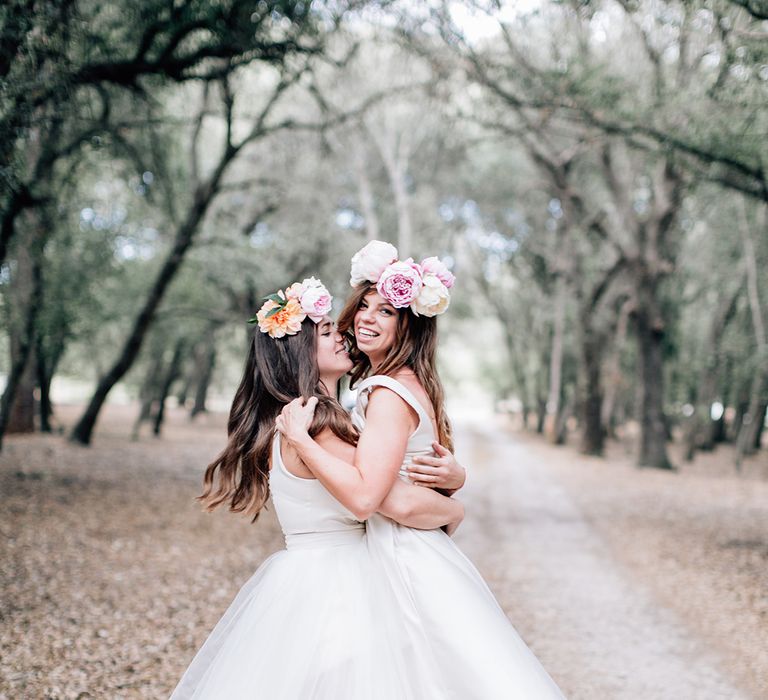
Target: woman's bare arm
x,y
363,481
406,504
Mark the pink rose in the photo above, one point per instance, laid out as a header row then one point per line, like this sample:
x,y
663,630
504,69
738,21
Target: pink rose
x,y
400,283
369,262
437,267
415,266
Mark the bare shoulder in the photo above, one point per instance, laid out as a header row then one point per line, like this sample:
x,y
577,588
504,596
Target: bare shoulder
x,y
293,462
388,404
411,382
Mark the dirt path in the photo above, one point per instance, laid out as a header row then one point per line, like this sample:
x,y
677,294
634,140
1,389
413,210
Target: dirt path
x,y
595,624
626,584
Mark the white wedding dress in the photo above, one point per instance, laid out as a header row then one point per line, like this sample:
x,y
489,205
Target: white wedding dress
x,y
310,623
341,614
469,648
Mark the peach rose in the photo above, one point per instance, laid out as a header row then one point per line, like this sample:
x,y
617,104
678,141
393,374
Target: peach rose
x,y
286,321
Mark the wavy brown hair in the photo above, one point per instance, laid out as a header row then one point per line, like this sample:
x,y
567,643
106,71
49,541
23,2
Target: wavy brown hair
x,y
277,371
415,347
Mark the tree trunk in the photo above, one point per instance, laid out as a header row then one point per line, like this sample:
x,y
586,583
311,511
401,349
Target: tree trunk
x,y
184,389
758,394
22,374
183,240
44,377
561,426
22,418
592,430
761,415
556,359
403,208
541,415
395,152
698,432
750,429
525,412
653,432
22,412
148,391
717,433
742,406
171,375
201,393
365,190
614,376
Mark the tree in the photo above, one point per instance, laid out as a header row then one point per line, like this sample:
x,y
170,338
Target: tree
x,y
59,54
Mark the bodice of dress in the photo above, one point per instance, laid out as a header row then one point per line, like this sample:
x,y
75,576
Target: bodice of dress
x,y
420,441
307,512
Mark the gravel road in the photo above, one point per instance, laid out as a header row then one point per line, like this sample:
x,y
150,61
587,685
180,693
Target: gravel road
x,y
628,584
599,630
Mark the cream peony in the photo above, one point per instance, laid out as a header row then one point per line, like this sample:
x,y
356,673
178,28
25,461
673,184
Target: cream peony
x,y
369,262
433,297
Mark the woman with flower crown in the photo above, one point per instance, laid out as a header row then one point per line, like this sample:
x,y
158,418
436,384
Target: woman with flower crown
x,y
466,647
313,622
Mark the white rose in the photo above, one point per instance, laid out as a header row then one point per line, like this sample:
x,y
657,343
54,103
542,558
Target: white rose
x,y
369,262
315,300
433,298
311,282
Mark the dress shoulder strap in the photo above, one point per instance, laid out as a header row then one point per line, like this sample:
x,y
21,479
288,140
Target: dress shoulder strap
x,y
367,385
276,456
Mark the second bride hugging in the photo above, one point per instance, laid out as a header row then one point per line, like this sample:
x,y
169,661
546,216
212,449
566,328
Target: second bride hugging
x,y
460,640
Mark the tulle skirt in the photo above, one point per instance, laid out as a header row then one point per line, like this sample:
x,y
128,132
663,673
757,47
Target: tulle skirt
x,y
470,649
313,623
397,614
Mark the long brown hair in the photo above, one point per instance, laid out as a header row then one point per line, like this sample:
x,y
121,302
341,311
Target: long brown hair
x,y
277,371
415,347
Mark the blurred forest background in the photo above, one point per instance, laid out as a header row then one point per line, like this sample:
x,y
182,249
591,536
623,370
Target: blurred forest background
x,y
595,170
596,174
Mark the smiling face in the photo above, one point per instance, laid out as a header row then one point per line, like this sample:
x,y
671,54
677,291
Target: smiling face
x,y
332,356
375,327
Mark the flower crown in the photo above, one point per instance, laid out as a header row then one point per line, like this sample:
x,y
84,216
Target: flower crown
x,y
422,287
282,312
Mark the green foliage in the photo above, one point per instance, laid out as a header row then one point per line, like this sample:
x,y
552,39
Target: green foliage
x,y
101,102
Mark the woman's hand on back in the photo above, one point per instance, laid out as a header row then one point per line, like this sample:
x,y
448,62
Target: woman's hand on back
x,y
439,472
295,418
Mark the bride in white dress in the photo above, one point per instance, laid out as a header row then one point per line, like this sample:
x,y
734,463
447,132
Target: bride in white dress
x,y
314,621
467,648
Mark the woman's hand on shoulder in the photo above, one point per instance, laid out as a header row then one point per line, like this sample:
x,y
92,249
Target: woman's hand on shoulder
x,y
296,418
439,472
